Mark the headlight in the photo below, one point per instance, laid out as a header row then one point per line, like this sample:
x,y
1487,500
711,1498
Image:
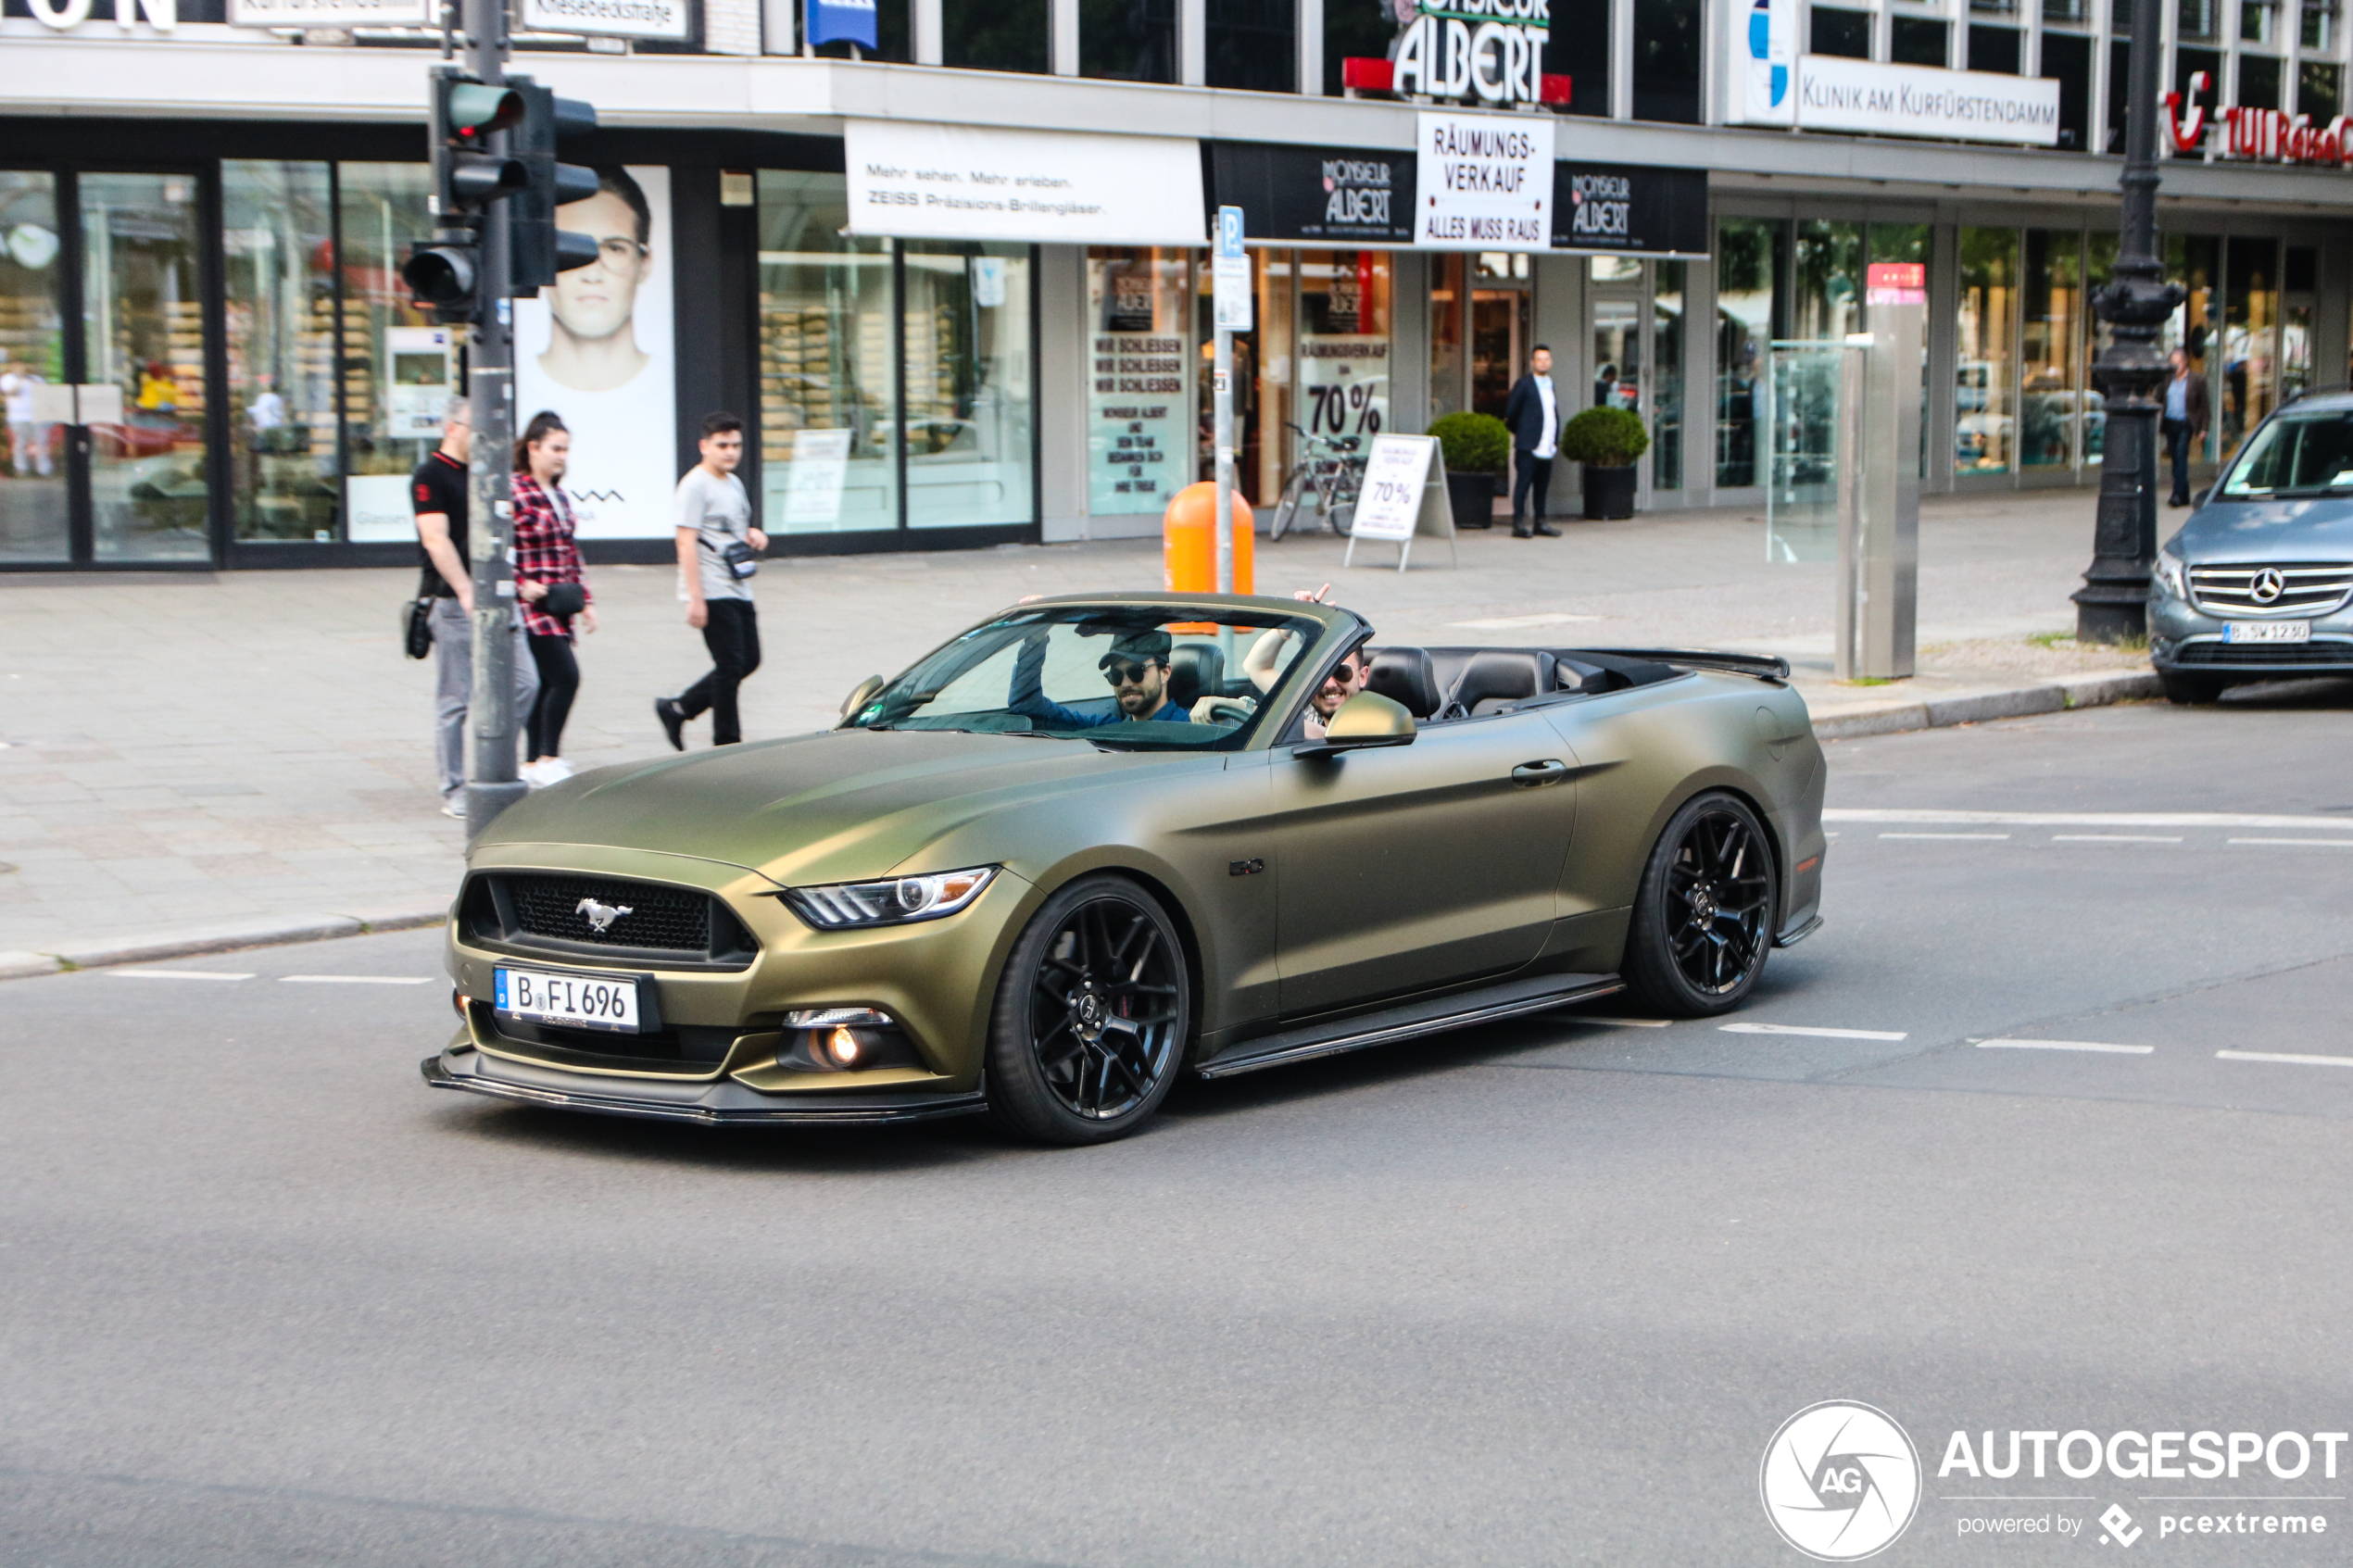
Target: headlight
x,y
2171,575
898,900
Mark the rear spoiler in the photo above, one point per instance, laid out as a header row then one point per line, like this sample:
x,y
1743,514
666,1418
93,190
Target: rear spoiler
x,y
1763,666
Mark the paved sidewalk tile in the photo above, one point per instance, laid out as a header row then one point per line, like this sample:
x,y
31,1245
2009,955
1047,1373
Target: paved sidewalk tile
x,y
253,746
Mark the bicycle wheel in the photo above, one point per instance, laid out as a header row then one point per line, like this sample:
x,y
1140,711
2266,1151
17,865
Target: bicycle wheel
x,y
1286,509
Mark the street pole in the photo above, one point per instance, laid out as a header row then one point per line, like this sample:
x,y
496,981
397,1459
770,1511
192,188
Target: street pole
x,y
2112,606
491,784
1222,415
1230,310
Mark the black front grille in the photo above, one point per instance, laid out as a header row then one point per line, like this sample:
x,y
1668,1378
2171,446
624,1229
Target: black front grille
x,y
677,919
2269,655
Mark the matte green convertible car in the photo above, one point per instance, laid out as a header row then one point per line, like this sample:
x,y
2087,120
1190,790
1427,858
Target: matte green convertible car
x,y
1095,842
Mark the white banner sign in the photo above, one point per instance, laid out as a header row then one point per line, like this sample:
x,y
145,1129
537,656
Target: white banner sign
x,y
916,181
332,13
1395,474
1837,94
610,18
1485,182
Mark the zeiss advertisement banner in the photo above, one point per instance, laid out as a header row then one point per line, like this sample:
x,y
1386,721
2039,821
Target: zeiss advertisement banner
x,y
1620,207
1316,195
842,21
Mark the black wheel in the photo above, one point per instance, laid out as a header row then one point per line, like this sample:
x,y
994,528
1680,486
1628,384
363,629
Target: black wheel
x,y
1091,1018
2190,690
1704,913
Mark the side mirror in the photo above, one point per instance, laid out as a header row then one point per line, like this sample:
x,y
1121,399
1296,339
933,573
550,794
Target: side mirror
x,y
863,694
1364,720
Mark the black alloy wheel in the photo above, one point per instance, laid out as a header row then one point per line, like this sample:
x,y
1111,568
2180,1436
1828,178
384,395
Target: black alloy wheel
x,y
1092,1016
1703,915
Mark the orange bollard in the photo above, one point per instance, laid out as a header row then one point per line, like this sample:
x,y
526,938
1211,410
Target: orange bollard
x,y
1188,541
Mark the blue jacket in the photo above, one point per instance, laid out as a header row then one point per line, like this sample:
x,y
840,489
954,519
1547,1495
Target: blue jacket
x,y
1028,695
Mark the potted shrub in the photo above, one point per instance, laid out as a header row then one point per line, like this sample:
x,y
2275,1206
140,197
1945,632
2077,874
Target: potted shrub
x,y
1608,442
1478,452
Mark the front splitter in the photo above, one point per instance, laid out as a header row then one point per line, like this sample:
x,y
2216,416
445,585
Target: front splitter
x,y
713,1105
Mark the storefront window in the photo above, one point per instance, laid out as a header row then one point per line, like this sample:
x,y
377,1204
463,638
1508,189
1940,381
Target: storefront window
x,y
1984,410
969,413
1448,281
2051,393
1344,324
826,405
278,243
1499,345
1666,379
2195,261
143,334
399,369
1748,254
2301,268
1136,406
34,524
1826,299
2250,340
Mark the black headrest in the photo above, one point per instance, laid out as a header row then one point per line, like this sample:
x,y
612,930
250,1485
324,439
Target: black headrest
x,y
1508,674
1406,677
1195,671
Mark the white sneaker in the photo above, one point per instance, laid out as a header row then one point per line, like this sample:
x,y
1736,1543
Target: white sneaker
x,y
554,770
455,806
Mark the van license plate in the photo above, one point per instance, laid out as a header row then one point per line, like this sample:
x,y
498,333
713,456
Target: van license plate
x,y
2268,632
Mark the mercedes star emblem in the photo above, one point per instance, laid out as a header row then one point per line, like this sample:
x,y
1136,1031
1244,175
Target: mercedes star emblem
x,y
2267,586
600,916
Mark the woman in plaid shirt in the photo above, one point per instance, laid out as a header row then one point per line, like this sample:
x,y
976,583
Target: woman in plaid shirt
x,y
545,559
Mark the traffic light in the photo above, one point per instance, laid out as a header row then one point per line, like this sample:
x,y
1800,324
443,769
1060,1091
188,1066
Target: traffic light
x,y
468,176
540,249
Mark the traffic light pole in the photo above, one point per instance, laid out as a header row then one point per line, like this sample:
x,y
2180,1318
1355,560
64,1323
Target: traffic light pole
x,y
491,784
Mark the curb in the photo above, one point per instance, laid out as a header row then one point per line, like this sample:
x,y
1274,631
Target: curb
x,y
1974,708
268,933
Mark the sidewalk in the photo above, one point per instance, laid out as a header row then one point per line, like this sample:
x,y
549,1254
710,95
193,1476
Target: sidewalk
x,y
188,754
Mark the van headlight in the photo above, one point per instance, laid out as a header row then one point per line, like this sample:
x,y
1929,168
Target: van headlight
x,y
894,900
2173,575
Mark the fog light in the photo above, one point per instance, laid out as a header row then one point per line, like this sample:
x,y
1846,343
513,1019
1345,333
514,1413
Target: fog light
x,y
843,1040
463,1002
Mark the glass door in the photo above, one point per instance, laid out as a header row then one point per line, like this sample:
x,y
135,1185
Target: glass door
x,y
35,390
142,397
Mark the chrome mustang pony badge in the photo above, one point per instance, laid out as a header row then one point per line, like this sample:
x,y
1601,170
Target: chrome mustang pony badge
x,y
600,916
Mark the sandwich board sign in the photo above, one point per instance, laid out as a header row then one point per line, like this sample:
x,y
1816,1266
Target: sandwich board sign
x,y
1404,498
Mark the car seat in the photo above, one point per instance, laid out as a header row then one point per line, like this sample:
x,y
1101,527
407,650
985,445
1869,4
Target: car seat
x,y
1406,677
1195,671
1495,679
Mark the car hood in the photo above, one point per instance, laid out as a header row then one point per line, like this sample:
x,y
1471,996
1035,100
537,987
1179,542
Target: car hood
x,y
833,805
2312,528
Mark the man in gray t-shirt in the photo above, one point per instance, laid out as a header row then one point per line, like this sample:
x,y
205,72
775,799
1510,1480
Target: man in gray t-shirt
x,y
713,514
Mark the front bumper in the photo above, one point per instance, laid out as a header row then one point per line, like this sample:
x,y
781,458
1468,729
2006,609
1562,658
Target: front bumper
x,y
2185,640
721,1103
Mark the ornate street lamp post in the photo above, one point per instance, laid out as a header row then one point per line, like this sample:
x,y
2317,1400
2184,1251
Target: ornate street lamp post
x,y
2113,603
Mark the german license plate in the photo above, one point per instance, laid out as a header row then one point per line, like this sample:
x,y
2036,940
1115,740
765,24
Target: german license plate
x,y
2268,632
575,1001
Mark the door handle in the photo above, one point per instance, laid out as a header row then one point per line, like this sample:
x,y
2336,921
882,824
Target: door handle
x,y
1530,774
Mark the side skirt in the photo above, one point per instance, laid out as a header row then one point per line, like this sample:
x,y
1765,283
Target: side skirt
x,y
1790,938
1408,1020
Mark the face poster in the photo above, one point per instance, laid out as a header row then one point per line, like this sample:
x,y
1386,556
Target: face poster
x,y
598,348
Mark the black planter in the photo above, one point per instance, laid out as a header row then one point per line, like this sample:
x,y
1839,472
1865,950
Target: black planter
x,y
1609,492
1472,496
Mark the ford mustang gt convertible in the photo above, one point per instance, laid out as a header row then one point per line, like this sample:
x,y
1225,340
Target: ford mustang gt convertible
x,y
1096,842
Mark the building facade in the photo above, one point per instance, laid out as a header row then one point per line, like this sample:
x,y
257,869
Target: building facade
x,y
209,361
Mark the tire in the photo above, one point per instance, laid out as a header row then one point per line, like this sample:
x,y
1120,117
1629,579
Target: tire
x,y
1286,511
1343,518
2190,690
1092,1018
1704,912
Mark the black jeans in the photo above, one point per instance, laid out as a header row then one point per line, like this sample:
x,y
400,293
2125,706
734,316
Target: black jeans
x,y
732,634
1535,474
558,683
2177,446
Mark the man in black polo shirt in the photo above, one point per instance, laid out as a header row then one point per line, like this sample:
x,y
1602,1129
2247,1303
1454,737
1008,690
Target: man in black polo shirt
x,y
437,491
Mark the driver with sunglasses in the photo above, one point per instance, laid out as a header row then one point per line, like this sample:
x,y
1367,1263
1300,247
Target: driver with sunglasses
x,y
1137,668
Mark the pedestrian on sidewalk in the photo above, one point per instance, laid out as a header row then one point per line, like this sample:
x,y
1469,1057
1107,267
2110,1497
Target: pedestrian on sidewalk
x,y
2184,421
718,553
1533,411
437,492
28,441
554,592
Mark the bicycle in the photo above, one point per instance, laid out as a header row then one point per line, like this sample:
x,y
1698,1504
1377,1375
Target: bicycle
x,y
1330,468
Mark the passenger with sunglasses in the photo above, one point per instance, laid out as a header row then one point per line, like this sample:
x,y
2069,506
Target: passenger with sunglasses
x,y
1137,668
1262,664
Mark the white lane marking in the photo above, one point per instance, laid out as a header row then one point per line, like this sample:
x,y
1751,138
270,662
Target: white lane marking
x,y
2291,1059
1821,1033
175,975
1891,816
355,980
1944,835
2115,838
2061,1045
1513,622
2320,842
1622,1023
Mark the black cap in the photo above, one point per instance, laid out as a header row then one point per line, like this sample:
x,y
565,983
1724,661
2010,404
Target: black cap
x,y
1144,648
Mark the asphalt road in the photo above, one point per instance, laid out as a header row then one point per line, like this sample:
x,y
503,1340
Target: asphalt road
x,y
1536,1294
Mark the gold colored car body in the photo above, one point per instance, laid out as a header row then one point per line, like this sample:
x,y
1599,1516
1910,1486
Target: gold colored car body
x,y
1307,886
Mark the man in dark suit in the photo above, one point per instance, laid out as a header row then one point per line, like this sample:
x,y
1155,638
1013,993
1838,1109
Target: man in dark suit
x,y
2183,422
1534,413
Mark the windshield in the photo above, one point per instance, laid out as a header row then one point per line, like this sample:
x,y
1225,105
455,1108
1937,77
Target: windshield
x,y
2297,455
1124,676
